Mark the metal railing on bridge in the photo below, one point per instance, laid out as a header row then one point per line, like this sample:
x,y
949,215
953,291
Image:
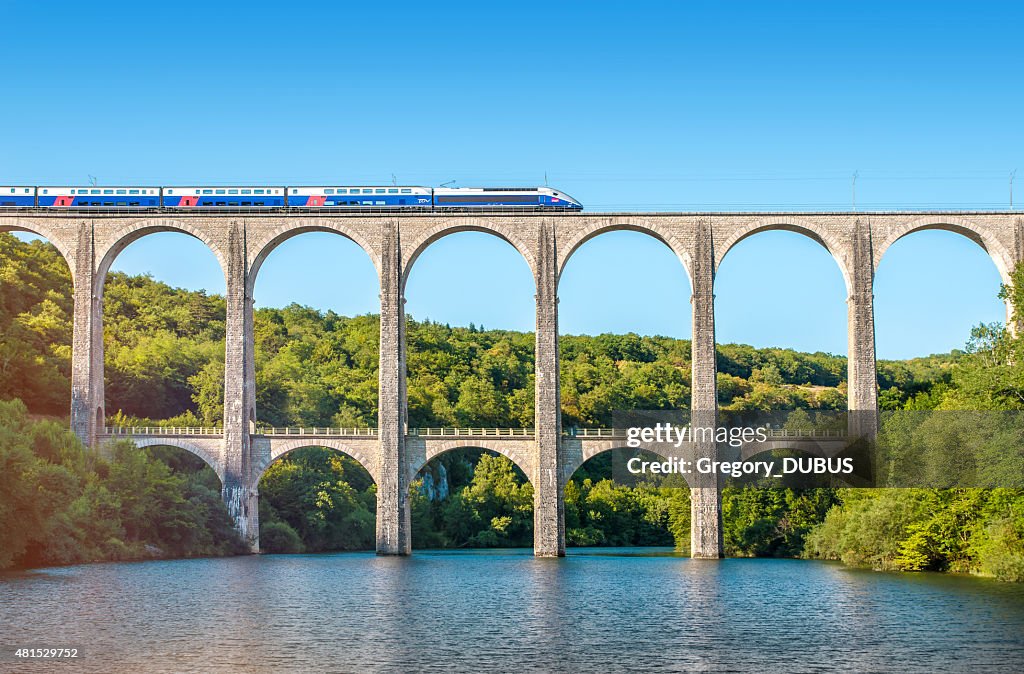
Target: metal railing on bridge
x,y
473,432
161,430
595,432
805,433
368,432
364,432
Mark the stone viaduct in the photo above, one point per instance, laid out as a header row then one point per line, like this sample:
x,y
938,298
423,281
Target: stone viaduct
x,y
391,454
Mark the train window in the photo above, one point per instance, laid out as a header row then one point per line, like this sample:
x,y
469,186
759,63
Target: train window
x,y
406,191
247,203
207,191
341,191
122,192
380,191
392,191
170,191
219,203
108,191
257,191
220,191
46,191
232,203
258,203
122,203
329,190
232,191
246,191
367,191
135,191
108,203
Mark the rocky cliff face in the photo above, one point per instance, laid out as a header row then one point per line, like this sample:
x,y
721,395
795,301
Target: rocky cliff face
x,y
435,483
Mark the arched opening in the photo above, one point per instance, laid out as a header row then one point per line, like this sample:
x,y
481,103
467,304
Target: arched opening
x,y
624,321
470,497
168,501
316,499
607,505
36,321
164,325
781,324
470,317
932,288
317,333
781,318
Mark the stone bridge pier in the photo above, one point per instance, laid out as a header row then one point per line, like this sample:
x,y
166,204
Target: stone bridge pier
x,y
241,242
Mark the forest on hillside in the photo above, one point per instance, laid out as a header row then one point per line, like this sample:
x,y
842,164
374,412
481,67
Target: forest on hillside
x,y
164,364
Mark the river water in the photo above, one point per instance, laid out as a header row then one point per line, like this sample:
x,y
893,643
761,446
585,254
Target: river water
x,y
602,610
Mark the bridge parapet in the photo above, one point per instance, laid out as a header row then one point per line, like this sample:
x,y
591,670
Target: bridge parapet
x,y
117,431
317,431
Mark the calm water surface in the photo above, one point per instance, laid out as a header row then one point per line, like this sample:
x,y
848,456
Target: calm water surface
x,y
597,610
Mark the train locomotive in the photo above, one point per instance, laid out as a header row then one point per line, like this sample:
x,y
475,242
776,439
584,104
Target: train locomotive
x,y
356,197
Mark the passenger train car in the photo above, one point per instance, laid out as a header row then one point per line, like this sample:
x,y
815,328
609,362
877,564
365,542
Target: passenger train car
x,y
111,197
336,197
222,197
315,197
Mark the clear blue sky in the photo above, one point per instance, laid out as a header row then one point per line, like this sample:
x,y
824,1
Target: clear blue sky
x,y
648,106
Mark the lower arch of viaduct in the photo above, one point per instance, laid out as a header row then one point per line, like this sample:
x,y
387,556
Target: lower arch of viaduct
x,y
421,451
242,241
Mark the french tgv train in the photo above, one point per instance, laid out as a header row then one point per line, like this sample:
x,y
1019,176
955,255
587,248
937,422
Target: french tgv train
x,y
351,196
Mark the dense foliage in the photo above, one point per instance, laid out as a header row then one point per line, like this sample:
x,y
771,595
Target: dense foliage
x,y
316,500
61,504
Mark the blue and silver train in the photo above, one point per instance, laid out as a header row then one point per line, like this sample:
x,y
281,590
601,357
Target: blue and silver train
x,y
260,197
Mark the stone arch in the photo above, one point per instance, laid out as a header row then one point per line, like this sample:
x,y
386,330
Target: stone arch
x,y
40,228
134,231
209,457
836,246
301,226
509,232
654,230
281,449
1001,256
507,449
